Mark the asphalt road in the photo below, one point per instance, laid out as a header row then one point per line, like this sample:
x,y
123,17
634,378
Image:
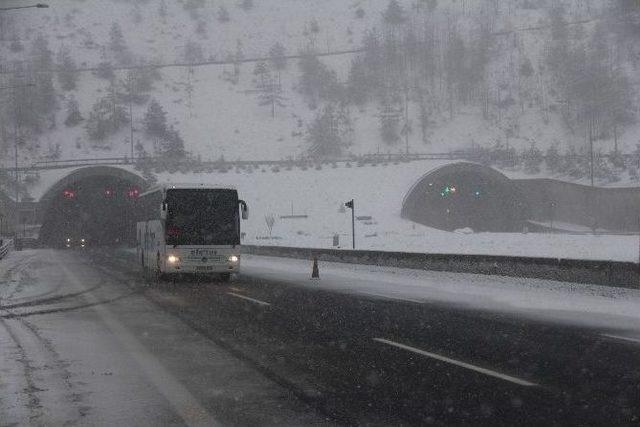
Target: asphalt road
x,y
87,341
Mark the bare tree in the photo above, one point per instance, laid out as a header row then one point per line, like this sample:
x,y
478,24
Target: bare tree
x,y
270,220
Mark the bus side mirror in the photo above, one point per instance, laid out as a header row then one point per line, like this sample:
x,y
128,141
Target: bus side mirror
x,y
163,210
244,209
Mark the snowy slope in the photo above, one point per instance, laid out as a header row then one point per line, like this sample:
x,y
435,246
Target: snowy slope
x,y
223,119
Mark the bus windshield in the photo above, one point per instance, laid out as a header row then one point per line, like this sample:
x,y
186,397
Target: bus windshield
x,y
202,217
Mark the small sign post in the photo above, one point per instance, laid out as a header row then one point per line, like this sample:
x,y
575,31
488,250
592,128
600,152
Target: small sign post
x,y
350,205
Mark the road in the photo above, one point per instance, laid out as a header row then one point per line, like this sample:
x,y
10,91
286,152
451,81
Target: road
x,y
84,340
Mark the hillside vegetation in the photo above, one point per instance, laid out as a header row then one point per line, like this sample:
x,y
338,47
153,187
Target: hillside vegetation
x,y
521,83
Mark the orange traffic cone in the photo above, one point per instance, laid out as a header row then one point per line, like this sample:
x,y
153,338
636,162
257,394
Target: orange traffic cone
x,y
315,271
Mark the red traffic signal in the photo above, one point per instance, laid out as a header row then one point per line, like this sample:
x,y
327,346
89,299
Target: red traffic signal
x,y
69,194
133,192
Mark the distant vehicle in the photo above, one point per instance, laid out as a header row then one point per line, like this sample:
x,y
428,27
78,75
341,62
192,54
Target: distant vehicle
x,y
75,242
189,229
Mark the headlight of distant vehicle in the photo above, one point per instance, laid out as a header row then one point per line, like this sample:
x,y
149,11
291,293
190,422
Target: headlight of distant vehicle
x,y
234,258
173,259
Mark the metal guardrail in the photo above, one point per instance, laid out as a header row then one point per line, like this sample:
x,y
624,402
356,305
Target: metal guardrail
x,y
468,155
220,164
4,248
606,273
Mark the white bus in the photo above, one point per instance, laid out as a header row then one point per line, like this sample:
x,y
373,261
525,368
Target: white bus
x,y
191,229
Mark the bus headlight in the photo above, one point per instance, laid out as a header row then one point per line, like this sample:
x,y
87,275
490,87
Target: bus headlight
x,y
173,259
234,258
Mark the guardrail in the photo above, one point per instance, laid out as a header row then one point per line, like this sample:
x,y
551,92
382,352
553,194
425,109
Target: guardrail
x,y
607,273
4,248
197,164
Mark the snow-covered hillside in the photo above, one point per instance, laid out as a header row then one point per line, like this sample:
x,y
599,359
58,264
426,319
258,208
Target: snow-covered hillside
x,y
219,110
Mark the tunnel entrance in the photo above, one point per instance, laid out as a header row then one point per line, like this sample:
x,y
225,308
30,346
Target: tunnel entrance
x,y
465,195
96,210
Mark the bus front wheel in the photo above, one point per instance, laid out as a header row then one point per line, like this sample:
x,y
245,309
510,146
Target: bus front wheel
x,y
225,277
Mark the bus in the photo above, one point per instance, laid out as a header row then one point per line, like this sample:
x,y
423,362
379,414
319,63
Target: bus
x,y
189,229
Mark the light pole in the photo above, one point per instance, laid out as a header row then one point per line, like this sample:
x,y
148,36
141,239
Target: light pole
x,y
351,206
6,9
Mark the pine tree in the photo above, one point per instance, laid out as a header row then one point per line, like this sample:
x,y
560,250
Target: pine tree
x,y
394,14
98,124
357,83
271,95
553,159
155,120
324,134
41,55
104,68
162,10
117,44
16,45
172,145
132,86
262,71
532,159
246,5
389,117
67,76
201,29
278,58
317,81
45,101
223,14
73,113
106,117
193,52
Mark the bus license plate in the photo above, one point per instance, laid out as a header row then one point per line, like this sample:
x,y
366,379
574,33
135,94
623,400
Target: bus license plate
x,y
204,268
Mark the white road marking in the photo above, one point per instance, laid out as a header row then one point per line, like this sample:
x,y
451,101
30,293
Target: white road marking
x,y
619,337
392,297
257,301
458,363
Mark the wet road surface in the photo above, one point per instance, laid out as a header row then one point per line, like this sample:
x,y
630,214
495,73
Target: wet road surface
x,y
85,340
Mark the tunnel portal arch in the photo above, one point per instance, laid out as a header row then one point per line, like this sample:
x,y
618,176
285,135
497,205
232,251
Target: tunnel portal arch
x,y
465,195
92,203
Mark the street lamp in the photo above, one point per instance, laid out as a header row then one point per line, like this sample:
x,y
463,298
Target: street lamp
x,y
33,6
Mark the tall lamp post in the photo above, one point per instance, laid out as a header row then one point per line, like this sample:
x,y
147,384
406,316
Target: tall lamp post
x,y
6,9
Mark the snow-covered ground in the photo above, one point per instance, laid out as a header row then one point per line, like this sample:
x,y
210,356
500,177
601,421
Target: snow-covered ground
x,y
586,305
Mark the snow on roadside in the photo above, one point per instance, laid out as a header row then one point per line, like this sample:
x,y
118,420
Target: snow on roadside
x,y
578,304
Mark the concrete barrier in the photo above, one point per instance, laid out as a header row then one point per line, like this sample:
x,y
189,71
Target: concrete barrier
x,y
607,273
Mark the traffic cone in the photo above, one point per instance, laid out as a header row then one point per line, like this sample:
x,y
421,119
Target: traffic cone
x,y
315,271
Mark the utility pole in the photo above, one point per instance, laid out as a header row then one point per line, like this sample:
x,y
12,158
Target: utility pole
x,y
131,124
406,117
15,147
350,205
591,148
